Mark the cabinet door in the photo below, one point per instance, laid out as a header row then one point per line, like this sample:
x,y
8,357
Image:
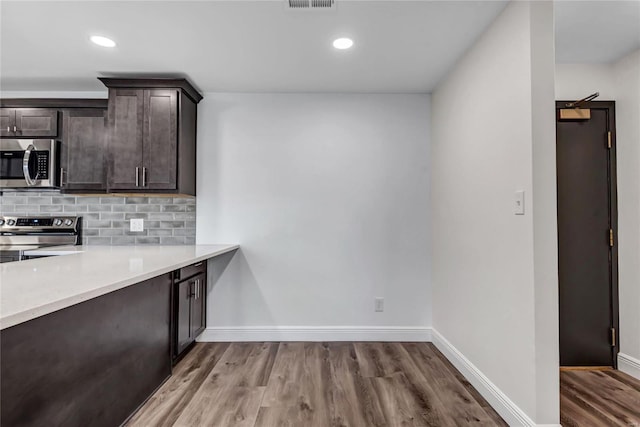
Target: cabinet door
x,y
83,149
7,121
198,305
36,122
160,139
183,297
125,139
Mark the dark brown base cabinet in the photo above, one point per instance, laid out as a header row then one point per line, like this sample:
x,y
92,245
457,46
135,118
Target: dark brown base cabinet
x,y
91,364
189,307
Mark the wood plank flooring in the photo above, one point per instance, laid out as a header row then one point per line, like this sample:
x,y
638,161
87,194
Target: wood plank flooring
x,y
599,398
339,384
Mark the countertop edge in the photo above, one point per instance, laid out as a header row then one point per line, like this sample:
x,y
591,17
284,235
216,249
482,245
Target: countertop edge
x,y
60,304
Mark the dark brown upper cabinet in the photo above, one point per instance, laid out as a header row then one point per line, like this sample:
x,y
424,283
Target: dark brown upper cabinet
x,y
7,121
28,122
82,132
125,138
152,135
83,157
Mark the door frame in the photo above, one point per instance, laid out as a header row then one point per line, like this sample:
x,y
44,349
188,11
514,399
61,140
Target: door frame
x,y
610,108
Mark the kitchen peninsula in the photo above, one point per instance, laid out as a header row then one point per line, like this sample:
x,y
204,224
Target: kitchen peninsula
x,y
88,336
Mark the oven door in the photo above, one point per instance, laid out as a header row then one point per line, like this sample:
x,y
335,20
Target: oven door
x,y
28,163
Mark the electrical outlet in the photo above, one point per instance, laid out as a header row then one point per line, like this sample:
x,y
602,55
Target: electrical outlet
x,y
136,225
379,304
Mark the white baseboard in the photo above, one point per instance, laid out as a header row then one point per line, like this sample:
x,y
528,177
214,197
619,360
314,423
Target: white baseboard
x,y
629,365
322,333
508,410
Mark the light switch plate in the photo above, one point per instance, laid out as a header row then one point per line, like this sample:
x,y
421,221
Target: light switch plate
x,y
136,225
518,203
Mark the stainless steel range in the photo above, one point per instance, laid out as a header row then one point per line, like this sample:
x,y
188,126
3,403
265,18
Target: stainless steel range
x,y
21,234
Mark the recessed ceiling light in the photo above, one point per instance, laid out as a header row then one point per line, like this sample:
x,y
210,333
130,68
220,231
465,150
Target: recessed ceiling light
x,y
103,41
342,43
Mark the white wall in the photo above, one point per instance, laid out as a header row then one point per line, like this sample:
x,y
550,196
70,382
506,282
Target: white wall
x,y
494,274
620,82
575,81
327,194
626,74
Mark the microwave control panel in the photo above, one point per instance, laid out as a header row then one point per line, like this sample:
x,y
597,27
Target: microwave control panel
x,y
43,164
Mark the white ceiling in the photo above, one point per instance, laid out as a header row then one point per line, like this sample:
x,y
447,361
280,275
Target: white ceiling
x,y
260,46
596,31
252,46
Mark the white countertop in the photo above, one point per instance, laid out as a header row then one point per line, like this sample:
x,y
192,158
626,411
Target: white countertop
x,y
30,289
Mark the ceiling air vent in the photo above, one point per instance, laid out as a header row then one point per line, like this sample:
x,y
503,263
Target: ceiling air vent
x,y
311,4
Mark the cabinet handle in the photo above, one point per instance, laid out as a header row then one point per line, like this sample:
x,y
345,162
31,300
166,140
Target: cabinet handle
x,y
137,177
144,177
15,129
197,288
197,265
8,129
62,172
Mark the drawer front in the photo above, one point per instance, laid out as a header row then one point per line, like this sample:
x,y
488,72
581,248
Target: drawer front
x,y
191,270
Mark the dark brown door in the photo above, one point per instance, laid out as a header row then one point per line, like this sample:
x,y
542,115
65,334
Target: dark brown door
x,y
83,149
160,139
125,142
198,305
184,292
36,122
587,256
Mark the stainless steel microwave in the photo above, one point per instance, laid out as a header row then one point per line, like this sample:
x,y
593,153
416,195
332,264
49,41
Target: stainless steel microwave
x,y
29,163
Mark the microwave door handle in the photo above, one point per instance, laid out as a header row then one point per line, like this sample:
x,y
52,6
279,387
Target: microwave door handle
x,y
25,166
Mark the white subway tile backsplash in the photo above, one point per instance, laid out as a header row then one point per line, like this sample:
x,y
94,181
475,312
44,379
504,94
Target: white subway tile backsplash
x,y
50,208
135,215
97,224
9,200
167,220
136,200
99,208
124,208
112,215
147,240
159,216
63,200
172,240
148,208
87,200
39,200
112,200
97,240
105,232
174,208
163,232
125,240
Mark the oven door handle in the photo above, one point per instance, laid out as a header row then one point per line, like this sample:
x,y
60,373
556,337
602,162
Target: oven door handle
x,y
25,166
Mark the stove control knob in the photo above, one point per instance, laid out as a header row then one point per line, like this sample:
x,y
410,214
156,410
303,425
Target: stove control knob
x,y
68,222
1,221
57,222
11,222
